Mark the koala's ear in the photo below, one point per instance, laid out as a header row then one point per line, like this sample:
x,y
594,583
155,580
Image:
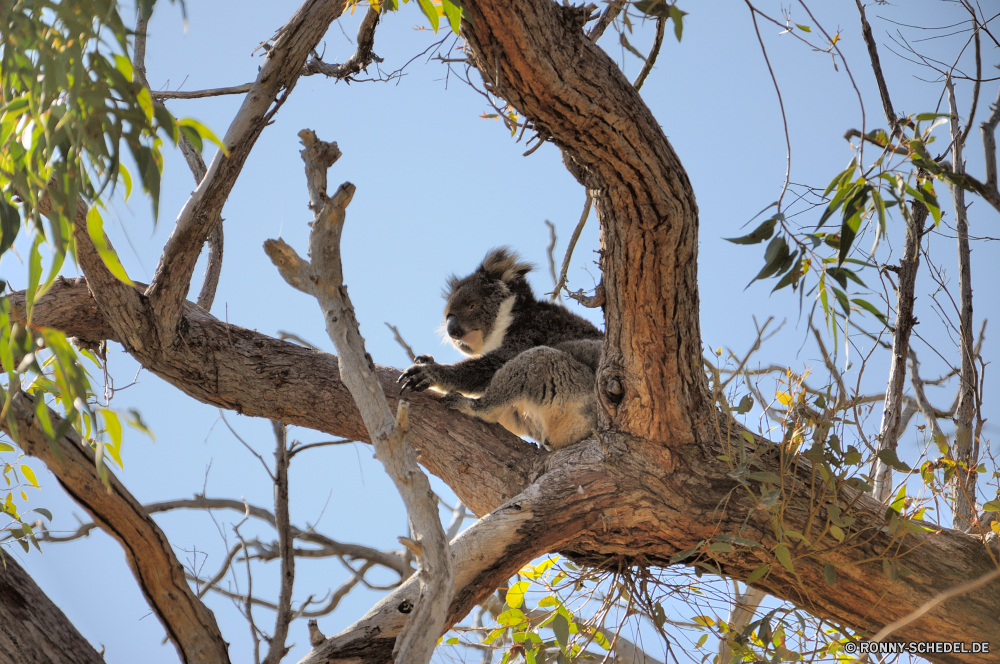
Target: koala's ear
x,y
450,284
504,265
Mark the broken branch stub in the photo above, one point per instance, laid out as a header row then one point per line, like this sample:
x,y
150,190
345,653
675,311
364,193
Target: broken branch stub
x,y
322,277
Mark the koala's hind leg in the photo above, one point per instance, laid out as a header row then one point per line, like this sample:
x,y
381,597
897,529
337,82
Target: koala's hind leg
x,y
543,393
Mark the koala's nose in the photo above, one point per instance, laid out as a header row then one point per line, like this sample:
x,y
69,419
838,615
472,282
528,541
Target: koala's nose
x,y
454,328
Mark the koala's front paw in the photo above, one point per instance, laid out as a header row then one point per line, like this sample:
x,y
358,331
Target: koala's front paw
x,y
421,376
457,401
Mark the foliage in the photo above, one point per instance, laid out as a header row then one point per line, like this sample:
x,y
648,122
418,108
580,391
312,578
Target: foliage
x,y
69,100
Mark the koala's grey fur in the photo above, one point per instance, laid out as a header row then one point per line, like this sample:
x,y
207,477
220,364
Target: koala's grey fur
x,y
533,362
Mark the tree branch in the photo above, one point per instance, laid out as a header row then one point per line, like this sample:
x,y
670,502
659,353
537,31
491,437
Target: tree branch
x,y
323,279
361,58
966,448
277,650
189,624
248,372
890,428
277,77
654,51
197,165
572,246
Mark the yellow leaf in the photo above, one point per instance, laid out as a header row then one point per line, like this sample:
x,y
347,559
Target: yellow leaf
x,y
784,398
95,228
29,475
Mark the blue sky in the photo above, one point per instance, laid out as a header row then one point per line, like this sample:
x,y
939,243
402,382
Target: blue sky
x,y
437,186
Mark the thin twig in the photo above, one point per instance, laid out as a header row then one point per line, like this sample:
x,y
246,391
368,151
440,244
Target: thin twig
x,y
781,105
647,67
609,15
967,587
572,245
198,94
402,342
222,414
550,251
277,650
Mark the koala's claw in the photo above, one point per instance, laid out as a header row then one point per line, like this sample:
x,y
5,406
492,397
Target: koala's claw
x,y
424,359
418,377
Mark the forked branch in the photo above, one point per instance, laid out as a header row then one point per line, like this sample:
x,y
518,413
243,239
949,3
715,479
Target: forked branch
x,y
323,279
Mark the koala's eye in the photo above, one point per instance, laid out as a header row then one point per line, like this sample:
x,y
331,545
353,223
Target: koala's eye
x,y
472,307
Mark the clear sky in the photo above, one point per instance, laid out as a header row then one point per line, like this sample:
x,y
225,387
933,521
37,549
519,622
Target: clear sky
x,y
437,186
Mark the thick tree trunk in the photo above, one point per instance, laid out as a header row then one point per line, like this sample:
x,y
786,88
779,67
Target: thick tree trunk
x,y
653,485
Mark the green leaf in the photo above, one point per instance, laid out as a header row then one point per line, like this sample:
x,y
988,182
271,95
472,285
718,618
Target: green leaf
x,y
126,177
759,234
784,557
704,621
992,506
95,228
193,137
515,596
10,224
777,253
430,12
511,617
758,573
631,49
657,8
145,103
769,478
677,16
454,14
830,574
560,626
124,65
803,28
4,447
870,308
890,459
44,512
207,133
720,547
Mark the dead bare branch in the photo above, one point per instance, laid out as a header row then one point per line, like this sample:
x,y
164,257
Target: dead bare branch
x,y
323,278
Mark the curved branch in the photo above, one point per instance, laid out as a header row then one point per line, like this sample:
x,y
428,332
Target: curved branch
x,y
553,74
189,623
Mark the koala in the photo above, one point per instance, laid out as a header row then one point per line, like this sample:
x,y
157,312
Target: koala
x,y
533,363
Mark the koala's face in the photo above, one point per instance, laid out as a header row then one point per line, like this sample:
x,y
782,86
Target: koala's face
x,y
478,313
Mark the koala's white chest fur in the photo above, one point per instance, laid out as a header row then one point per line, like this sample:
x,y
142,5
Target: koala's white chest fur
x,y
504,318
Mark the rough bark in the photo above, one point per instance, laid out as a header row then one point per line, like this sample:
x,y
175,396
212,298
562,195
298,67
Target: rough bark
x,y
630,505
652,486
189,623
32,629
535,55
